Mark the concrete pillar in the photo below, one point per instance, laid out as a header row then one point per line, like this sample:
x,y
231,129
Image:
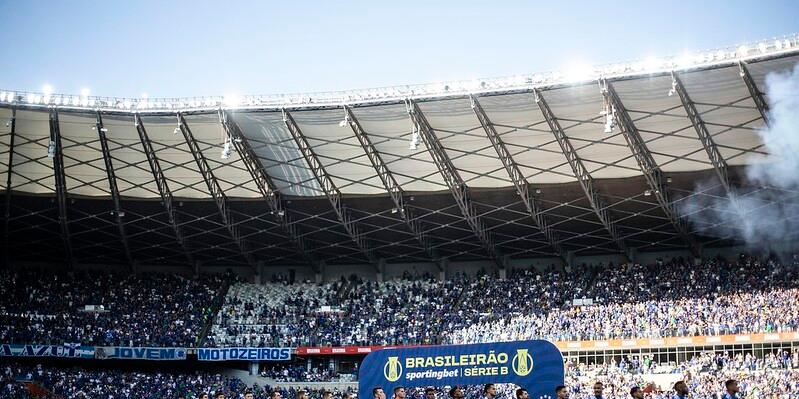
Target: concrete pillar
x,y
333,363
259,272
253,368
503,271
632,253
698,260
570,259
320,274
444,272
196,268
381,270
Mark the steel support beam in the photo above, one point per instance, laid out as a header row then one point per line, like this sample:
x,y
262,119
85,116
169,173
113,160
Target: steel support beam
x,y
163,188
7,209
713,153
267,188
393,188
456,185
60,185
329,188
580,172
216,192
649,168
112,186
518,179
754,92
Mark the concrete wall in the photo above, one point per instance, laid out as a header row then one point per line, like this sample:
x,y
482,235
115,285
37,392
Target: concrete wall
x,y
391,270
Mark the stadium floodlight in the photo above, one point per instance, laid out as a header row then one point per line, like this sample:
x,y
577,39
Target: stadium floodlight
x,y
346,121
579,72
51,149
415,140
231,100
226,150
609,122
652,64
47,91
743,50
673,89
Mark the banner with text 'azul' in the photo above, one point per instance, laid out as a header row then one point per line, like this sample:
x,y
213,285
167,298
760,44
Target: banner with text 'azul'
x,y
72,350
139,353
534,365
247,354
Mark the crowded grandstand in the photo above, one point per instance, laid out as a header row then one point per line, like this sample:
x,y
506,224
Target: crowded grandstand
x,y
638,219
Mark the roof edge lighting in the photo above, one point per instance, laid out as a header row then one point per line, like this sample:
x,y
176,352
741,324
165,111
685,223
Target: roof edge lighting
x,y
686,61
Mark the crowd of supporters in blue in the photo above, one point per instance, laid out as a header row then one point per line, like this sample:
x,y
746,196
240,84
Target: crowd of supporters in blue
x,y
674,298
664,299
668,298
704,377
46,307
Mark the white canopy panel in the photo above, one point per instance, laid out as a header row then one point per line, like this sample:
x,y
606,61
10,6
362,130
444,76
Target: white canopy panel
x,y
578,111
390,129
272,143
177,163
5,145
339,151
465,142
84,167
32,171
232,175
729,113
132,170
662,122
520,124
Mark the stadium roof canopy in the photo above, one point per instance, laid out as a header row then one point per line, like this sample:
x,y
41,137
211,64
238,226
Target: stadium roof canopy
x,y
517,167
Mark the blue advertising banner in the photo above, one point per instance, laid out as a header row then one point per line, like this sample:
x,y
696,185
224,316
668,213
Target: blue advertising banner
x,y
249,354
534,365
73,350
139,353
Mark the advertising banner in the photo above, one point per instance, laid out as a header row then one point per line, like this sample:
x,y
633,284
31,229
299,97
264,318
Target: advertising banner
x,y
139,353
534,365
73,350
247,354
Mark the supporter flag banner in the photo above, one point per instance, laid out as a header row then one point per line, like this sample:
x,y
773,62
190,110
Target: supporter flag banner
x,y
139,353
72,350
248,354
534,365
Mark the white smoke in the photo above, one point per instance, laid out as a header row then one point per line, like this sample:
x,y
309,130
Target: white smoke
x,y
766,215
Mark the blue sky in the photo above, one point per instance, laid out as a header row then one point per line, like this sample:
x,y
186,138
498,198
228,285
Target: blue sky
x,y
187,48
